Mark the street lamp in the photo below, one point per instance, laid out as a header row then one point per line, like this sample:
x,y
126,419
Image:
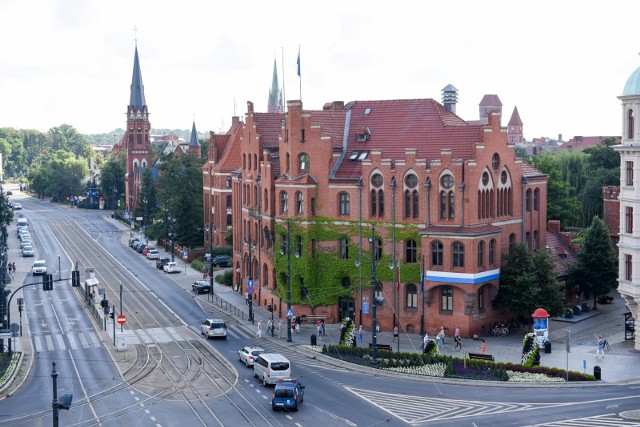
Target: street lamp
x,y
360,239
250,278
427,186
172,235
166,213
211,253
392,265
374,344
144,200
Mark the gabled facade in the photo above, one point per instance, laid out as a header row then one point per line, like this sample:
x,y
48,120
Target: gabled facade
x,y
442,199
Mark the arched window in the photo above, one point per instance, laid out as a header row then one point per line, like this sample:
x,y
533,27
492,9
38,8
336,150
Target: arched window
x,y
407,203
451,204
244,161
377,250
255,161
139,136
374,203
284,202
229,201
344,248
480,254
381,203
458,254
299,203
528,201
265,275
265,204
446,302
630,124
536,199
415,204
528,240
512,243
377,195
492,251
411,251
535,240
436,254
249,161
411,296
303,162
443,204
410,196
343,204
287,163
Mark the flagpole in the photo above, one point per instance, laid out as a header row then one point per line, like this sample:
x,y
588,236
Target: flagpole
x,y
422,298
299,73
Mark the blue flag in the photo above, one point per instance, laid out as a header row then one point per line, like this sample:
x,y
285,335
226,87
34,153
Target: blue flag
x,y
298,62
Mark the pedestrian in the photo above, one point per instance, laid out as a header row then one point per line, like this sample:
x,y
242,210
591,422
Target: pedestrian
x,y
269,326
457,332
324,332
280,329
13,264
600,346
246,297
442,334
440,339
204,271
458,341
297,328
319,328
360,333
293,325
425,340
395,333
259,332
483,347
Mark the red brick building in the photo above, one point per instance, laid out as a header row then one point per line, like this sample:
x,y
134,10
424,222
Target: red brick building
x,y
447,198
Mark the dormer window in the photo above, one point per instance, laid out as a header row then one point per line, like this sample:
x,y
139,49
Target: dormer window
x,y
363,134
367,111
358,156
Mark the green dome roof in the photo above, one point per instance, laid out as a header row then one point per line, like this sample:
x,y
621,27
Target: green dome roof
x,y
632,87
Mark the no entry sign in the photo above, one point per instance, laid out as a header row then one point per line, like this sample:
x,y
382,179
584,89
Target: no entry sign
x,y
122,319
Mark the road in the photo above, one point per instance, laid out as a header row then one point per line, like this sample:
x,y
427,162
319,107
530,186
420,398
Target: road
x,y
170,375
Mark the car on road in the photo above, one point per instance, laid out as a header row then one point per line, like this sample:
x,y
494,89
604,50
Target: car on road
x,y
171,267
17,206
28,251
271,367
153,253
9,193
39,267
248,354
212,328
26,241
287,394
160,263
222,261
201,287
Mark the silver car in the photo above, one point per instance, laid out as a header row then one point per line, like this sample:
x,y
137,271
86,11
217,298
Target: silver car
x,y
28,251
248,354
214,328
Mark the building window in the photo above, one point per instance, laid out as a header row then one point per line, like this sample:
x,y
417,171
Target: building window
x,y
481,299
303,161
443,204
458,254
346,282
628,267
512,243
480,254
437,250
492,252
229,220
536,242
527,239
344,248
411,254
411,196
411,293
244,161
629,173
343,203
377,196
374,203
495,161
628,219
266,200
630,124
139,136
451,204
415,203
229,201
313,248
299,249
446,303
528,201
301,135
377,249
536,199
299,203
313,206
287,162
284,202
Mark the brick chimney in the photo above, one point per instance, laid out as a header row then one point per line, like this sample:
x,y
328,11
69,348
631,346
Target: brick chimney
x,y
553,226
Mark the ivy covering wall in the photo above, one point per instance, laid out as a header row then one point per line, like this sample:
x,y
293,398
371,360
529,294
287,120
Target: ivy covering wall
x,y
322,273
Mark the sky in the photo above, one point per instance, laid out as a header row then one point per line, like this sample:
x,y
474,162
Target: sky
x,y
562,63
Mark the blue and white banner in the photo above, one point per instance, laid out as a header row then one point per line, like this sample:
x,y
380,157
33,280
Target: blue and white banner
x,y
464,278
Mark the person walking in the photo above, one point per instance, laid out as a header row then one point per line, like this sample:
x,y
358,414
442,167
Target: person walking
x,y
360,333
600,346
440,339
269,326
259,331
324,332
458,341
457,332
319,328
280,329
204,271
483,347
395,333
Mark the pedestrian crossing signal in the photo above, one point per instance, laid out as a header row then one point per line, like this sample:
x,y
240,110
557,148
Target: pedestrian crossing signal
x,y
75,278
47,283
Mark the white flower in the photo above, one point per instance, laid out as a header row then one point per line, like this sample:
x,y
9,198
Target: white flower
x,y
532,376
434,370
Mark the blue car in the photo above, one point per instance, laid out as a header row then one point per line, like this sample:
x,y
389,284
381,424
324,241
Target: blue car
x,y
287,394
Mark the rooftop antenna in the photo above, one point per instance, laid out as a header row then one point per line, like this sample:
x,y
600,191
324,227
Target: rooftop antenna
x,y
135,32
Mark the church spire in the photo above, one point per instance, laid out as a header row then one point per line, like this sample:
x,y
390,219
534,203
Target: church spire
x,y
137,100
194,144
275,97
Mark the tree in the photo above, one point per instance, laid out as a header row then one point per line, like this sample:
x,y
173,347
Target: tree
x,y
112,179
596,271
562,203
527,282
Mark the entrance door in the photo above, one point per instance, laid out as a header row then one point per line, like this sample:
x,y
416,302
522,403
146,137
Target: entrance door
x,y
346,308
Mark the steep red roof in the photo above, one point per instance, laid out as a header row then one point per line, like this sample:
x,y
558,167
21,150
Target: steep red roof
x,y
582,142
268,127
560,252
394,125
490,101
515,118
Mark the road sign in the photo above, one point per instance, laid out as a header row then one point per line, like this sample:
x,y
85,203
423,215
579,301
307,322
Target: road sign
x,y
250,290
5,333
250,283
365,307
290,313
122,319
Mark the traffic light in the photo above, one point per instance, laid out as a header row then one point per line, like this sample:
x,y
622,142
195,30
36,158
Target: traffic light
x,y
47,282
104,303
111,313
75,278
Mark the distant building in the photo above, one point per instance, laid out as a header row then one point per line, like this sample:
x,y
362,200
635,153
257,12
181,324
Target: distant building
x,y
580,143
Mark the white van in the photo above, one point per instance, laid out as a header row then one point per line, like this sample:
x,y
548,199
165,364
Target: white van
x,y
270,367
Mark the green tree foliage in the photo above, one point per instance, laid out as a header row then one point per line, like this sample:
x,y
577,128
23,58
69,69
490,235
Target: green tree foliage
x,y
527,282
562,203
112,179
596,271
603,164
60,176
180,190
66,138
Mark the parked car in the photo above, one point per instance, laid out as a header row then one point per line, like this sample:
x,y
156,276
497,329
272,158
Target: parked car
x,y
26,241
287,394
160,263
140,248
39,267
171,267
133,241
211,328
201,287
222,261
153,253
137,244
248,354
28,251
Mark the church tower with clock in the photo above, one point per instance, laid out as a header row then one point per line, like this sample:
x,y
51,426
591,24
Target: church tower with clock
x,y
136,137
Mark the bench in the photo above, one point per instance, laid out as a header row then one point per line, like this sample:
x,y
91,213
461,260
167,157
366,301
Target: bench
x,y
480,356
385,347
311,318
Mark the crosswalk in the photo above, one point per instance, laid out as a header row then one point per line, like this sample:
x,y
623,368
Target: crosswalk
x,y
69,341
609,420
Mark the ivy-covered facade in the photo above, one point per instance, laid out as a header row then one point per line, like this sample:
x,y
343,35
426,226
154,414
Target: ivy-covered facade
x,y
404,189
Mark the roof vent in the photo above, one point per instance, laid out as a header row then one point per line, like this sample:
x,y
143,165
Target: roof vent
x,y
364,134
